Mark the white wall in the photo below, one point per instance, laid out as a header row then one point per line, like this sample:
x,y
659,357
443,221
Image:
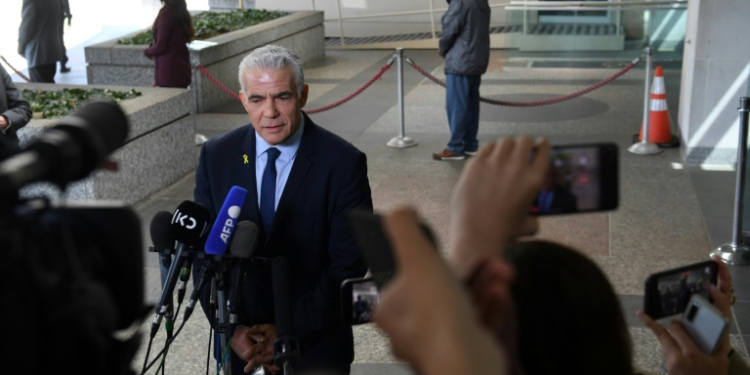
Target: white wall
x,y
716,65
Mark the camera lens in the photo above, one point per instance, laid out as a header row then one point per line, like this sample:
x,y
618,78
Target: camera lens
x,y
691,313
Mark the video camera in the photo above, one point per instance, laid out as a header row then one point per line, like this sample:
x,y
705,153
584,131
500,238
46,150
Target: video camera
x,y
72,282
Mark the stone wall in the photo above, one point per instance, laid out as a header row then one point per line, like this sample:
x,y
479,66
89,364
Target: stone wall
x,y
302,32
159,150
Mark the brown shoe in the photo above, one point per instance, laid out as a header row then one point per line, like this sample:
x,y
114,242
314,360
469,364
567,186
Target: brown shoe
x,y
447,155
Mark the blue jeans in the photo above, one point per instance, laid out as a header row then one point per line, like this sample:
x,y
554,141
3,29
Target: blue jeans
x,y
462,105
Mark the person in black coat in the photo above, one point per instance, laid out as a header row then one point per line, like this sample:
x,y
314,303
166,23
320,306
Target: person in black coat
x,y
15,112
39,38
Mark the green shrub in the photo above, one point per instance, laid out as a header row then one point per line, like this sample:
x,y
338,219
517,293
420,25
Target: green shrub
x,y
55,104
211,24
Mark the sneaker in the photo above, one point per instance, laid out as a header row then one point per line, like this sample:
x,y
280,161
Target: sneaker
x,y
447,155
64,69
471,153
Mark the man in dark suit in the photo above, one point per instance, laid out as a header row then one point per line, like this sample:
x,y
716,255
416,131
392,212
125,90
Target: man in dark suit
x,y
300,202
554,197
39,38
15,112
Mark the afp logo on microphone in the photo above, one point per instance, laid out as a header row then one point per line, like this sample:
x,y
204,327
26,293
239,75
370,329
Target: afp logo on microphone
x,y
226,221
230,223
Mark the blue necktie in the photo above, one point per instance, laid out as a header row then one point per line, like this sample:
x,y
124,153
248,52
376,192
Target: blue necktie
x,y
268,190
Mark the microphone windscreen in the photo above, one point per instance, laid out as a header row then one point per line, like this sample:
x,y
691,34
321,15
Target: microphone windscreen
x,y
161,234
190,222
226,221
106,121
281,296
245,240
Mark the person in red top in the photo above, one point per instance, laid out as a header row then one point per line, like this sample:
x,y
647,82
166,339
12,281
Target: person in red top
x,y
173,29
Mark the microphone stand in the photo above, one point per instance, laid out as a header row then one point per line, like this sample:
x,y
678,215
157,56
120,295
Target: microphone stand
x,y
286,348
222,286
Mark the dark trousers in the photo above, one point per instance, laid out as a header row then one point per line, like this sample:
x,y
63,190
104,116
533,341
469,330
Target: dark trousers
x,y
462,105
43,73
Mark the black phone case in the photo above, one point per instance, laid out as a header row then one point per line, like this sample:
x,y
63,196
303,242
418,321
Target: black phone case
x,y
375,247
652,298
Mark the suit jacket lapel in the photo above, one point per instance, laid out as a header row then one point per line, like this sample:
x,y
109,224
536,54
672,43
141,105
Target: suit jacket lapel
x,y
246,177
302,163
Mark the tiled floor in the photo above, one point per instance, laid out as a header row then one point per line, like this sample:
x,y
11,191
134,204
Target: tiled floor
x,y
668,217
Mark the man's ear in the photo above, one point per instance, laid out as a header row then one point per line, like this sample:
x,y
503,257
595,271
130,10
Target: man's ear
x,y
243,98
303,95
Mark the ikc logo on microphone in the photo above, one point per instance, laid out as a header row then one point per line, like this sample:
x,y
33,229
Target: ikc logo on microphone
x,y
180,218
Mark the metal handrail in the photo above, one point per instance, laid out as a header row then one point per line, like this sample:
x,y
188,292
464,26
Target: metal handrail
x,y
404,13
584,6
596,9
597,3
527,5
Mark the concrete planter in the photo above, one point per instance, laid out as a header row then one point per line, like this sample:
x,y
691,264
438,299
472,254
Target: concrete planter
x,y
160,148
301,32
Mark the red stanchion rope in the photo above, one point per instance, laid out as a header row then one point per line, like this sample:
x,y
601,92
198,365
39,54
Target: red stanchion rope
x,y
219,84
352,95
14,69
536,103
367,84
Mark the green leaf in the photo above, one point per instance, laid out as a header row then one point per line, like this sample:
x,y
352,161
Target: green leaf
x,y
211,24
55,104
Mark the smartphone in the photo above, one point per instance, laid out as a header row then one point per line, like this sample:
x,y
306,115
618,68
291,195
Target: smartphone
x,y
358,300
668,292
375,246
704,323
581,178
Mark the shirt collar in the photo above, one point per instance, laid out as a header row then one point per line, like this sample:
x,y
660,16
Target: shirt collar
x,y
288,148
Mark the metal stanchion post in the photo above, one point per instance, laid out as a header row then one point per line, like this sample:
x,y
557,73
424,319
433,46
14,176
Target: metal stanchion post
x,y
341,22
401,141
737,253
644,147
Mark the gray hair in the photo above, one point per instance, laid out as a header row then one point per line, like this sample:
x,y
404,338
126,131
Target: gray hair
x,y
273,57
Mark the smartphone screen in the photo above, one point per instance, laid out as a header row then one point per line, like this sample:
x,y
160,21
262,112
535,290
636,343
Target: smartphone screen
x,y
668,292
358,300
375,245
581,178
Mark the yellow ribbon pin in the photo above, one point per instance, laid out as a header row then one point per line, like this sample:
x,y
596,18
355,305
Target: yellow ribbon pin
x,y
245,157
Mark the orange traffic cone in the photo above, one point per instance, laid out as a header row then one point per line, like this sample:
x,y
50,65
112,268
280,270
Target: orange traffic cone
x,y
659,127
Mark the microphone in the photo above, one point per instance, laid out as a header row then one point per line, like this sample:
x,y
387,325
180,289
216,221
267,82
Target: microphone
x,y
243,246
188,225
224,226
163,241
286,347
216,244
70,150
